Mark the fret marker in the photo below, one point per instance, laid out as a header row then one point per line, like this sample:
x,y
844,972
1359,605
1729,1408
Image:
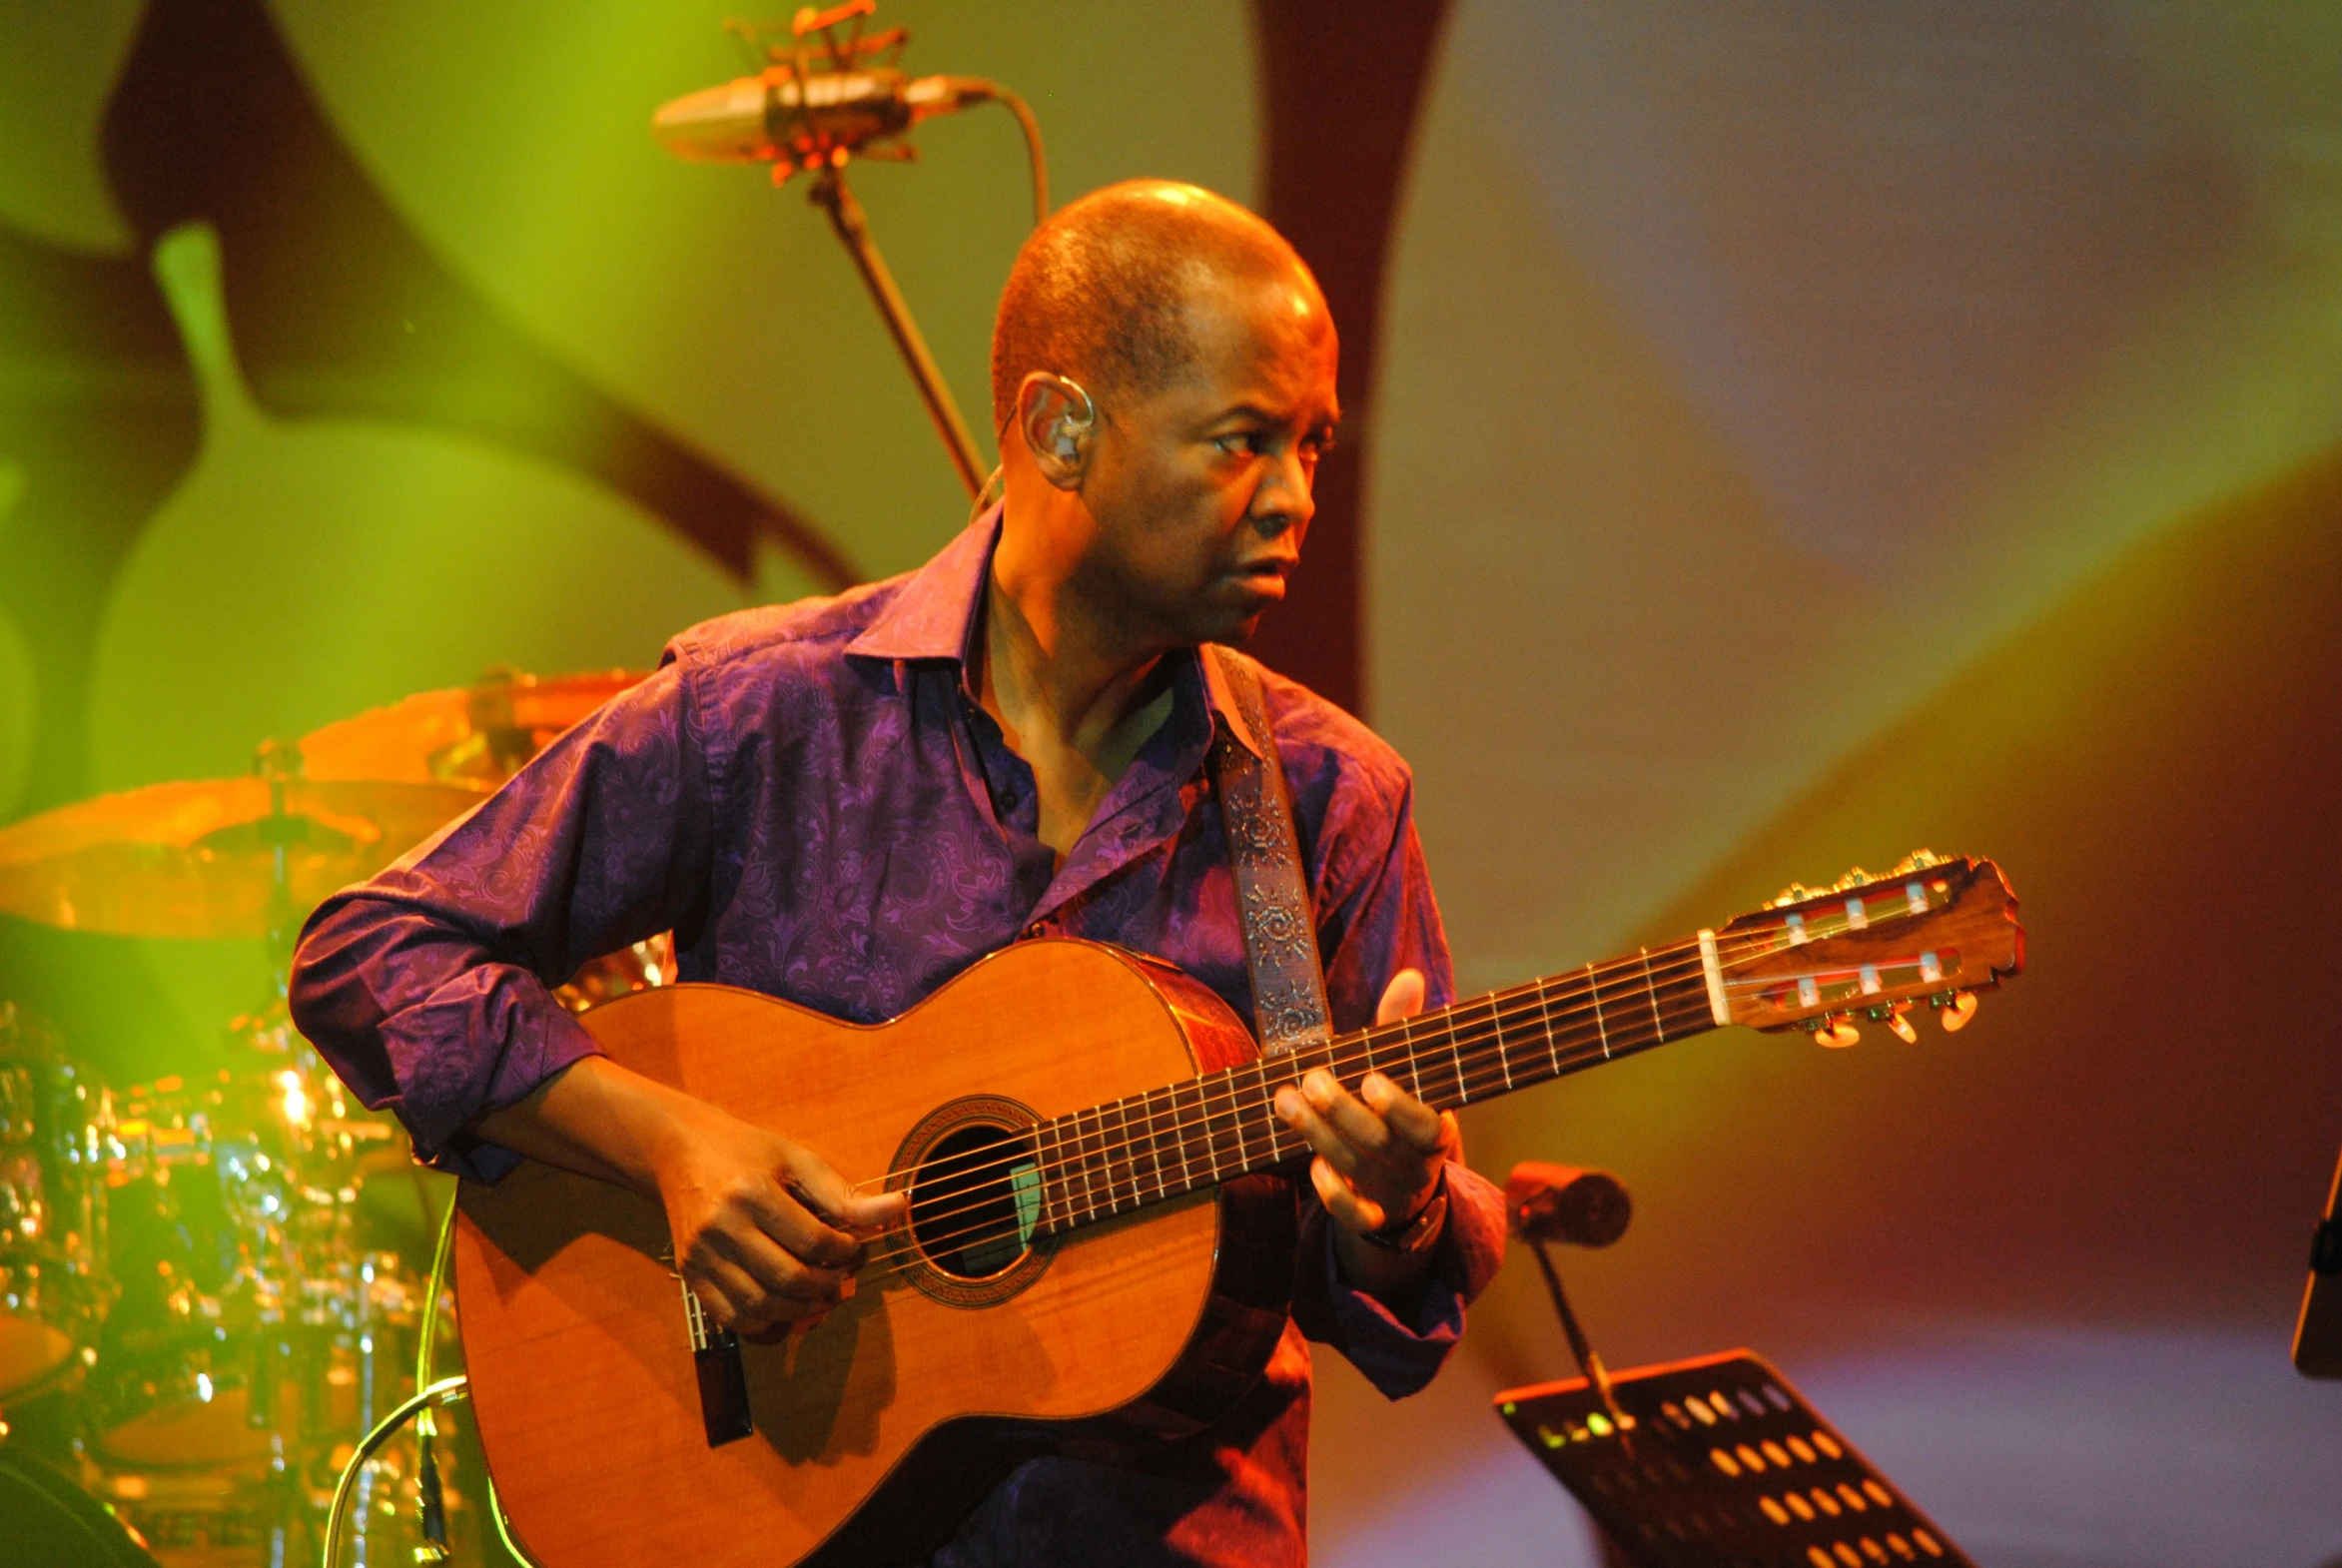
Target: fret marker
x,y
1856,917
1917,897
1714,970
1797,930
1870,980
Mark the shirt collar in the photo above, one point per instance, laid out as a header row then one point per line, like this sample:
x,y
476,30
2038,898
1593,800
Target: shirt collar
x,y
938,612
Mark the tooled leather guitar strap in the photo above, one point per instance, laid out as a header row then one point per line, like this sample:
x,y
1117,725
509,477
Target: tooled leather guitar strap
x,y
1280,933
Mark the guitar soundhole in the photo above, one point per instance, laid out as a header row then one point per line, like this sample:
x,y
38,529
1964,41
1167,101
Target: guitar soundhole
x,y
975,1200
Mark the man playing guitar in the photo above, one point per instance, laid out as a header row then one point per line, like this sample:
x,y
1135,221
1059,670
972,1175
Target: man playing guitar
x,y
845,801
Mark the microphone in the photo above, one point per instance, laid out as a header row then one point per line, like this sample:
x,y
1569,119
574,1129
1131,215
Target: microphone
x,y
1545,1203
781,117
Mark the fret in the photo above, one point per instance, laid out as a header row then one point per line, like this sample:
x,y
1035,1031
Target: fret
x,y
1267,1088
1063,1170
1455,1055
1155,1143
1504,1053
1406,1036
1545,1016
1053,1169
1138,1146
1594,990
1108,1141
1232,1120
1179,1135
1042,1163
1212,1146
1166,1133
1089,1188
1658,1018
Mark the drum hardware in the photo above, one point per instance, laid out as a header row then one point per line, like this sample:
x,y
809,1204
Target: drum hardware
x,y
472,736
208,1280
53,1281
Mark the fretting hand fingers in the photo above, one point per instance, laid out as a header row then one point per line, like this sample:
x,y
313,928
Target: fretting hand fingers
x,y
1381,1148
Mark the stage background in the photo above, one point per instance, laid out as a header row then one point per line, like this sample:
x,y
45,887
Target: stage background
x,y
1783,435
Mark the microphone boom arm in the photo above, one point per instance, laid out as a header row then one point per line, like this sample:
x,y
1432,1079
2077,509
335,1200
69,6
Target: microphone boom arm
x,y
846,217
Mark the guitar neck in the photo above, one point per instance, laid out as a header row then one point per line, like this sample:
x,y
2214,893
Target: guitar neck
x,y
1107,1160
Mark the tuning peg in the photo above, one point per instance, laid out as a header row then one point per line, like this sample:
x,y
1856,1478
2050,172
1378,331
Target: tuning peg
x,y
1953,1009
1916,860
1795,893
1857,878
1836,1033
1900,1025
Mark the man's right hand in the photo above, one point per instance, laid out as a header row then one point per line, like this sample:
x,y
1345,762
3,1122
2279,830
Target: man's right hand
x,y
766,1234
765,1230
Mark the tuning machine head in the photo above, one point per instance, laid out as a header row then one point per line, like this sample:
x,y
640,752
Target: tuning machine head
x,y
1953,1009
1837,1031
1893,1016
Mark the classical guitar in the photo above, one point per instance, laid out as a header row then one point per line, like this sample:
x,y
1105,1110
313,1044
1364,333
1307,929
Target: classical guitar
x,y
1097,1239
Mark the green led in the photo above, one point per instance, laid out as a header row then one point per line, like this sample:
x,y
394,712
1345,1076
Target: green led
x,y
1598,1425
1510,1407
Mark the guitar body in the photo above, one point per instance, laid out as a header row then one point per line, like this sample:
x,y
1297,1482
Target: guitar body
x,y
936,1376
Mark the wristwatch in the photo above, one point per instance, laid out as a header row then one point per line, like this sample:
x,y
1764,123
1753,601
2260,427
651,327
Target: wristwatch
x,y
1413,1235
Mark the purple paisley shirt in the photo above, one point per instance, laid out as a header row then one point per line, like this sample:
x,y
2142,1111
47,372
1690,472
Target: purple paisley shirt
x,y
811,798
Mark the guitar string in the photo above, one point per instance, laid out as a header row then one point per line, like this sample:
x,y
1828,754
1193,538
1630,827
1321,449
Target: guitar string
x,y
1527,999
1246,1099
1482,1072
1671,969
903,1251
1237,1106
1488,1070
1517,1001
1233,1099
1242,1099
1583,1051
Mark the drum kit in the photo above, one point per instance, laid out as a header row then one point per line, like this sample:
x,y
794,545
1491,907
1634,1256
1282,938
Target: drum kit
x,y
210,1283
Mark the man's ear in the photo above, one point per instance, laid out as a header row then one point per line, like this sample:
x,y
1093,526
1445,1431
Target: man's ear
x,y
1059,424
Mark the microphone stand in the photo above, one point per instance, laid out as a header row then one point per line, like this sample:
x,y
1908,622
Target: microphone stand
x,y
831,196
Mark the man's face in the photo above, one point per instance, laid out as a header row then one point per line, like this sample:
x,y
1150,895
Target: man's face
x,y
1201,491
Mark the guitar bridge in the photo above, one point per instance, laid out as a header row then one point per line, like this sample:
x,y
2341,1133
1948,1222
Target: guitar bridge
x,y
724,1376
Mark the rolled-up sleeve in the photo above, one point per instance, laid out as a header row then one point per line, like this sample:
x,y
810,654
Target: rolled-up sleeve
x,y
426,989
1398,1354
1376,917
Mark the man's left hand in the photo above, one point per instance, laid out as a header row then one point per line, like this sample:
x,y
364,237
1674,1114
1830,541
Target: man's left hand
x,y
1381,1151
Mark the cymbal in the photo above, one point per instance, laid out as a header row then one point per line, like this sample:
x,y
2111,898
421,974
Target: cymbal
x,y
477,734
198,858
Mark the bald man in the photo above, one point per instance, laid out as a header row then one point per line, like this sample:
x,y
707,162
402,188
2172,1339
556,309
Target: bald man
x,y
845,801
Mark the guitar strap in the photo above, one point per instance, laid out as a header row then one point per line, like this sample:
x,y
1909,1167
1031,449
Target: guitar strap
x,y
1272,900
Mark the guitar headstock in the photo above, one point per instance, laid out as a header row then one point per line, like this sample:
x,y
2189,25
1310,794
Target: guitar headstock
x,y
1935,930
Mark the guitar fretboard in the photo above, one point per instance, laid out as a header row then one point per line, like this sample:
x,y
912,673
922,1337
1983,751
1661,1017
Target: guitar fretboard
x,y
1107,1160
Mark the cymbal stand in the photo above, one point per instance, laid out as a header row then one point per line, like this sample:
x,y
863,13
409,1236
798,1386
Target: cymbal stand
x,y
279,764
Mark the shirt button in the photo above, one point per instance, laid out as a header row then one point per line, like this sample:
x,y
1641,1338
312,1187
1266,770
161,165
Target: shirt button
x,y
1035,930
